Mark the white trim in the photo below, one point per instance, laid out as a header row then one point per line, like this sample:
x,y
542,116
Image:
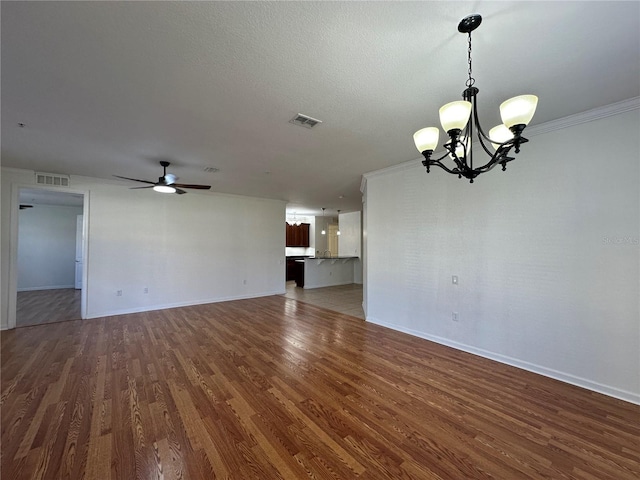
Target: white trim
x,y
17,170
14,202
514,362
393,168
49,287
546,127
363,184
309,287
152,308
585,117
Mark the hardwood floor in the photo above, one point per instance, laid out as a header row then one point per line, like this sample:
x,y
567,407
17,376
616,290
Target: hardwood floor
x,y
272,388
47,306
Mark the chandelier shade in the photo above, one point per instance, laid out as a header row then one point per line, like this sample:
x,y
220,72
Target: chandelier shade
x,y
500,134
426,138
518,110
455,115
459,120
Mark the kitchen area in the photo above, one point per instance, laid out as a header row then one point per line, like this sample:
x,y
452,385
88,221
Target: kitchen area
x,y
323,251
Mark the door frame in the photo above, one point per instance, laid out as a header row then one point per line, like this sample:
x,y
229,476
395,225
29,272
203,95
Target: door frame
x,y
13,246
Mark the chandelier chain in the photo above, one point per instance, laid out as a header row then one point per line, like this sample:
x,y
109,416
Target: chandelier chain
x,y
471,80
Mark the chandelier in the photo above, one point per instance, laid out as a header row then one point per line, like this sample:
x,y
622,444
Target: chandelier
x,y
460,121
294,221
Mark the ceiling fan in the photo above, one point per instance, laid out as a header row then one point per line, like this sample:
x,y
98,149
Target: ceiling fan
x,y
167,182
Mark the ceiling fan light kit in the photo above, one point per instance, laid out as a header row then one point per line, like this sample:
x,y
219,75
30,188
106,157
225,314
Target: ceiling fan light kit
x,y
167,182
164,189
460,120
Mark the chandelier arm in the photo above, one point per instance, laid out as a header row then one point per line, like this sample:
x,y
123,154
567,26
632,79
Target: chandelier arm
x,y
496,159
480,133
444,155
451,146
437,163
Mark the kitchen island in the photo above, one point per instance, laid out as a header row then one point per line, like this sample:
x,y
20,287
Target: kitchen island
x,y
316,272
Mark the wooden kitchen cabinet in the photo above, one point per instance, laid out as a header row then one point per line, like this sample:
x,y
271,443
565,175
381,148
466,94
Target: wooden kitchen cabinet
x,y
298,235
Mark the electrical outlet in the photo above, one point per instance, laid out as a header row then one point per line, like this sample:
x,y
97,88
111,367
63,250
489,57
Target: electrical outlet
x,y
244,282
454,316
118,293
146,290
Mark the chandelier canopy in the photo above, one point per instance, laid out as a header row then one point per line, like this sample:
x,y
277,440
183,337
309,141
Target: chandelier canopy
x,y
460,121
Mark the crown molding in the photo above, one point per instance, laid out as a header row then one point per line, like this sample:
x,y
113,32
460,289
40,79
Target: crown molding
x,y
585,117
546,127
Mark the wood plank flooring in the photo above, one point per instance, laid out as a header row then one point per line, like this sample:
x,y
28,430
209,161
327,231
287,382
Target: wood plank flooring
x,y
37,307
272,388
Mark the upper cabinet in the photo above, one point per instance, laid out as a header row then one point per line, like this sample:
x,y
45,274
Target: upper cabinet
x,y
298,235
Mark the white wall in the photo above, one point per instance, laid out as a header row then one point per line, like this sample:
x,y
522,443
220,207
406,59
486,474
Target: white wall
x,y
350,241
47,247
321,243
547,255
185,249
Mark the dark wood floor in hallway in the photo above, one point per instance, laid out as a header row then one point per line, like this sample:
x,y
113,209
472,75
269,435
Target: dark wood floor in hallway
x,y
272,388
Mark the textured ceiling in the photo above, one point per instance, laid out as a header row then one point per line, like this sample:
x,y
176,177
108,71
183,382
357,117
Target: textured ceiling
x,y
112,87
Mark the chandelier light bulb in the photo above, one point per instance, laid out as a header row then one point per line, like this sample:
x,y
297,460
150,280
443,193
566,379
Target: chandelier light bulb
x,y
455,115
518,110
460,150
426,139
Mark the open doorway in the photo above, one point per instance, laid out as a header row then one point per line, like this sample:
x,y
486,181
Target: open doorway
x,y
50,256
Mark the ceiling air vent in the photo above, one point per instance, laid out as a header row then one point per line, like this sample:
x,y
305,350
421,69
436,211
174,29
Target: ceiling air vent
x,y
211,169
53,179
305,121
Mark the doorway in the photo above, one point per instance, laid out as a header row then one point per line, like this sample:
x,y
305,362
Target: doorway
x,y
50,256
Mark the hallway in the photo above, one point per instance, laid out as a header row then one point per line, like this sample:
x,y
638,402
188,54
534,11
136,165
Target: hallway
x,y
345,299
38,307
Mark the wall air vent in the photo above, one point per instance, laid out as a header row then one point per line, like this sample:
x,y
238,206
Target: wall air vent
x,y
305,121
52,179
211,169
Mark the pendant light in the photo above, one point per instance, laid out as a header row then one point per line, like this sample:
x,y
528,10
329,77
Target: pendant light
x,y
324,231
460,121
338,232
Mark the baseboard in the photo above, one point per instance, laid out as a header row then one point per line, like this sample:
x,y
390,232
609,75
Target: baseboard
x,y
514,362
152,308
322,286
50,287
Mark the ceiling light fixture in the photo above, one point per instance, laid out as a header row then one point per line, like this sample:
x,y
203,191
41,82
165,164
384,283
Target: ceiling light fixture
x,y
164,189
294,220
460,121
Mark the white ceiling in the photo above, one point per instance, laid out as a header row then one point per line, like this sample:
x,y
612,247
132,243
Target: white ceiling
x,y
112,87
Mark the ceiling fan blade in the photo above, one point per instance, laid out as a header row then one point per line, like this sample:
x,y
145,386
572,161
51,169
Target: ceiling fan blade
x,y
137,188
178,191
187,185
135,179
